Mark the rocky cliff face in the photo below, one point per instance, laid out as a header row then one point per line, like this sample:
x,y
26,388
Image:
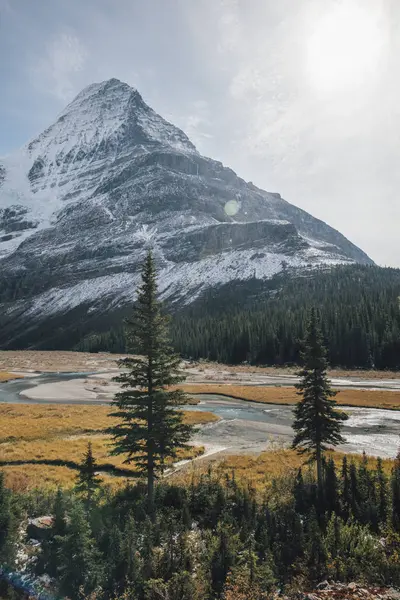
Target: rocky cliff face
x,y
80,204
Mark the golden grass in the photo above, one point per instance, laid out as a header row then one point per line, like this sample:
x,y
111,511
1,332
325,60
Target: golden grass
x,y
60,433
287,395
259,471
43,475
256,472
4,376
21,478
40,421
72,449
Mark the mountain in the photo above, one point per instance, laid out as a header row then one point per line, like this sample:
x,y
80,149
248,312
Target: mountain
x,y
80,204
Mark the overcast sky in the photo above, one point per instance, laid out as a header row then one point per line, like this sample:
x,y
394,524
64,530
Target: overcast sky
x,y
301,97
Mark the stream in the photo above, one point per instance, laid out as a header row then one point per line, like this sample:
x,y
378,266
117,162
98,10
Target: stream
x,y
249,427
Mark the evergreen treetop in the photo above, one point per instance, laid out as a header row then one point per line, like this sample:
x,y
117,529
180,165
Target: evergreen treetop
x,y
87,480
317,423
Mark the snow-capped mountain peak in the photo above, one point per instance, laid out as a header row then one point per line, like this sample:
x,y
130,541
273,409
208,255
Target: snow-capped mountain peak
x,y
81,202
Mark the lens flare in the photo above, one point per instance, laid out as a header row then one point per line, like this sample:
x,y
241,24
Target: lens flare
x,y
232,208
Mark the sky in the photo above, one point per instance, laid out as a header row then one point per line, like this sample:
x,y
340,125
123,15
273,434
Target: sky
x,y
301,97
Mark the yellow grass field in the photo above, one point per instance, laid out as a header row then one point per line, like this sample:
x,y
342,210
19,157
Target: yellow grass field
x,y
4,376
34,436
260,471
70,451
287,395
41,421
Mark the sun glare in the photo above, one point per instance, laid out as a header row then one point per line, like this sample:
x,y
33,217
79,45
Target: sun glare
x,y
344,47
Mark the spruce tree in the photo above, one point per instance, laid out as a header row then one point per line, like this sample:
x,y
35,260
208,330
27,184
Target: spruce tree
x,y
150,429
7,525
79,564
87,480
51,548
331,487
299,493
395,484
346,490
354,491
382,492
317,424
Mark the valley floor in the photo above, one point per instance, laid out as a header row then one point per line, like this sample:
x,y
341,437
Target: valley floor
x,y
65,361
59,401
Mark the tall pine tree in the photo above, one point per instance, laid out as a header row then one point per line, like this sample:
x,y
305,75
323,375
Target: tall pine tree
x,y
150,429
317,424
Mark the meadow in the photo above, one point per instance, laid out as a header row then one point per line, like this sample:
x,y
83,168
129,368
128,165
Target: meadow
x,y
261,472
42,445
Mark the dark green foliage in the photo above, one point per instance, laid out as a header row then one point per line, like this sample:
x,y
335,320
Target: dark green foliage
x,y
395,484
368,506
316,555
49,557
256,321
346,496
382,493
79,561
331,488
150,429
222,559
8,533
210,538
262,322
317,423
299,493
87,482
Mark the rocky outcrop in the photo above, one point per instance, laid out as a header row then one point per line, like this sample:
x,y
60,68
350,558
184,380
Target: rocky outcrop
x,y
346,591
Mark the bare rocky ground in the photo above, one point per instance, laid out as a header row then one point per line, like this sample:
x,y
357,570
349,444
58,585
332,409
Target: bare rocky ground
x,y
347,591
202,371
56,361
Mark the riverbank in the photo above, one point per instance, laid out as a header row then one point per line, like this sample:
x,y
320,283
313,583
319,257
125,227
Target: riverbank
x,y
386,399
243,426
100,387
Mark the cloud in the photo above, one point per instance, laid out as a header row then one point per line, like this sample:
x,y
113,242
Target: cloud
x,y
55,73
229,25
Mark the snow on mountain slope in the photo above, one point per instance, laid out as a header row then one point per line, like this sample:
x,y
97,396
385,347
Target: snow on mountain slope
x,y
80,204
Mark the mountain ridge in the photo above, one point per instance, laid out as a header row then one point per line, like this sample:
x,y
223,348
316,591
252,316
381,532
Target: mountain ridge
x,y
81,202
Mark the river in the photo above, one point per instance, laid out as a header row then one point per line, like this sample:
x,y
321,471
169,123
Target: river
x,y
247,427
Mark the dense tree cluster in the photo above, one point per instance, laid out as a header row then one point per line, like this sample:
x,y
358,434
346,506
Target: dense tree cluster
x,y
215,538
263,323
256,321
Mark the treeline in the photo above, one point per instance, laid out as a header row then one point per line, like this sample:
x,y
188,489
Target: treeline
x,y
262,322
215,538
359,308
